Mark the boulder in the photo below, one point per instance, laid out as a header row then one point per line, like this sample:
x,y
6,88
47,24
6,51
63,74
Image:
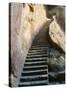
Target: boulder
x,y
56,63
56,35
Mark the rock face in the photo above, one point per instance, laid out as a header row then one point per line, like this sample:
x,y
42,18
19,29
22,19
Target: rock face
x,y
56,34
26,21
56,65
57,39
56,59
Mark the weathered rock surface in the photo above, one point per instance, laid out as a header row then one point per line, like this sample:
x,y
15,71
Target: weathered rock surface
x,y
56,34
26,21
57,64
57,40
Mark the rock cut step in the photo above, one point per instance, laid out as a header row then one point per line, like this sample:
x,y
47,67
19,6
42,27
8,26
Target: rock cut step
x,y
34,73
40,45
35,76
34,53
36,60
36,64
39,58
33,79
33,83
38,55
38,48
35,68
41,50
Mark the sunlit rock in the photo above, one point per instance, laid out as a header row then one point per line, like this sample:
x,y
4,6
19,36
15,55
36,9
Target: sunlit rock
x,y
26,21
56,34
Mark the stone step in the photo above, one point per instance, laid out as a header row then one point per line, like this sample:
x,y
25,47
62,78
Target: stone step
x,y
32,62
38,58
40,45
35,76
34,73
35,68
33,79
34,53
36,64
38,48
37,55
34,83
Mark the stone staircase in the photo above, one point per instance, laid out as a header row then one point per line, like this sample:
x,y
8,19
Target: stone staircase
x,y
35,71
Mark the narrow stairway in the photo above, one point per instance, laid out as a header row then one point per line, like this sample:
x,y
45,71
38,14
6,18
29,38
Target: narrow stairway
x,y
35,71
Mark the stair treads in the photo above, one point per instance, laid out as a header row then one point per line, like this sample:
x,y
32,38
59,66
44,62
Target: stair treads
x,y
35,68
34,53
36,60
38,48
37,52
35,76
36,64
32,62
34,73
39,58
37,55
33,79
34,83
40,45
